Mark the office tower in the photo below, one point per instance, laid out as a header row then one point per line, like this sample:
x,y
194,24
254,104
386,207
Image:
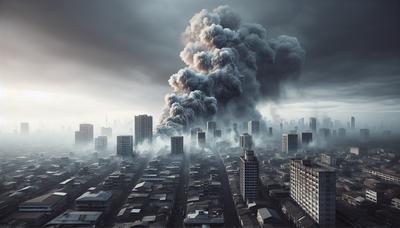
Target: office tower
x,y
313,187
306,138
201,139
300,123
218,133
313,124
211,127
245,127
143,128
248,176
289,143
246,142
353,122
324,133
24,128
106,131
364,133
253,128
177,145
341,132
270,133
193,134
100,143
84,135
124,145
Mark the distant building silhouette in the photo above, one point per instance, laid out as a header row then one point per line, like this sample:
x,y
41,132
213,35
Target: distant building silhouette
x,y
143,128
125,145
84,135
177,145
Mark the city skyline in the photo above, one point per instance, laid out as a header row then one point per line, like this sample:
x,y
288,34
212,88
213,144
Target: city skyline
x,y
98,80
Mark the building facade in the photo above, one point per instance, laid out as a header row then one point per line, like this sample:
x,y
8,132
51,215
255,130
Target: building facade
x,y
177,145
143,128
124,145
249,175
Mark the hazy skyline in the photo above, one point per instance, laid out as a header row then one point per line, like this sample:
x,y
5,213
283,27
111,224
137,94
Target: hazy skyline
x,y
69,61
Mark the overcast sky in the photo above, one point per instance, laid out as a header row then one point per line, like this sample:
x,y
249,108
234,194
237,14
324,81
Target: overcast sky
x,y
83,60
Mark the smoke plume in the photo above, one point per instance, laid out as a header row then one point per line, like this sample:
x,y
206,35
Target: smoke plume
x,y
231,66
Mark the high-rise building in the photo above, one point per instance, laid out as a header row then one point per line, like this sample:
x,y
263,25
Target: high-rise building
x,y
327,159
106,131
218,133
177,145
254,128
84,135
143,128
341,132
100,143
313,124
270,133
353,122
211,127
201,139
24,128
125,145
246,142
324,133
313,187
290,143
306,138
193,134
364,133
249,176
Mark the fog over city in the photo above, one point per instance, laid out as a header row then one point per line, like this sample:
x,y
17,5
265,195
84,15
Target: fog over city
x,y
192,114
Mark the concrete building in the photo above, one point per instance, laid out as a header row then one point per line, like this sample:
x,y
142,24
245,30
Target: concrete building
x,y
211,127
201,139
353,122
76,219
249,175
177,145
270,133
327,159
313,188
100,143
49,203
246,142
218,133
313,124
253,127
306,138
106,131
289,143
94,201
143,128
341,132
125,145
364,134
84,135
374,195
24,128
193,134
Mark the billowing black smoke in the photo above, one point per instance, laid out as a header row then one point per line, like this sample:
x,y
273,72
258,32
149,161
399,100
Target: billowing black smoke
x,y
230,67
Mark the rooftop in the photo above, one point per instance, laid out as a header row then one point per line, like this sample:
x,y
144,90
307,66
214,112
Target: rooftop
x,y
76,217
95,196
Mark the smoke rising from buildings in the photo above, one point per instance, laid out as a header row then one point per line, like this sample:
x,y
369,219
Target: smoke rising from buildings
x,y
231,66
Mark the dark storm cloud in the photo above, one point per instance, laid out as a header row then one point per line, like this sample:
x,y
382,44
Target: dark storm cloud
x,y
347,42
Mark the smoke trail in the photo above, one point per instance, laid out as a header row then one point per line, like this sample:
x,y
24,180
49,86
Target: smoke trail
x,y
230,67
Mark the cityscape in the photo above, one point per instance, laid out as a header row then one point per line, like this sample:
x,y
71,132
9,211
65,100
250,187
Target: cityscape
x,y
237,141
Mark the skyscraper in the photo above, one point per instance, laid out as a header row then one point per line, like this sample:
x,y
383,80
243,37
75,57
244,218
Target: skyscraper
x,y
143,128
313,187
84,135
306,138
211,127
270,133
353,122
193,134
290,143
248,176
341,132
254,128
100,143
313,124
177,145
124,145
246,142
24,128
201,139
106,131
364,133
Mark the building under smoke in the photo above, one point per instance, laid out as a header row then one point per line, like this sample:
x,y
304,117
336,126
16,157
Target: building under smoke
x,y
230,67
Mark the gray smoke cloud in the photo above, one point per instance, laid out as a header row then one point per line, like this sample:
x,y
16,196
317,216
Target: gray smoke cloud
x,y
230,67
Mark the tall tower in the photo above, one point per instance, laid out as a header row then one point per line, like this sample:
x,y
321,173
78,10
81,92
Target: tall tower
x,y
254,128
211,127
313,187
143,128
84,135
124,145
290,143
248,176
313,124
353,122
246,142
177,145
